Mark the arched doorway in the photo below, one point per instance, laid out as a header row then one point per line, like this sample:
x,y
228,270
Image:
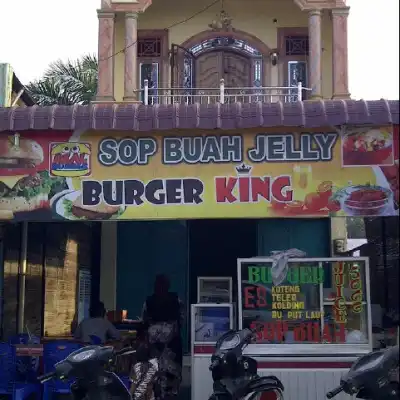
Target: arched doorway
x,y
226,58
204,62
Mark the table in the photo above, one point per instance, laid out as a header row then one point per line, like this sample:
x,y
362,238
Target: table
x,y
33,350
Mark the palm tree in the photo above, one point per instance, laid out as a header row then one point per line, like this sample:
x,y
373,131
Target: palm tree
x,y
66,83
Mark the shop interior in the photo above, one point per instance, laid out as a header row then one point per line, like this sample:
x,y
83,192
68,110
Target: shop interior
x,y
63,257
187,250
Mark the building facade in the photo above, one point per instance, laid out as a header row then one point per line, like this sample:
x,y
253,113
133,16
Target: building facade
x,y
220,131
257,47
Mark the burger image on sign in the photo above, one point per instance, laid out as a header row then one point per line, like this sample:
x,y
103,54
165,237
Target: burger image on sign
x,y
22,187
70,159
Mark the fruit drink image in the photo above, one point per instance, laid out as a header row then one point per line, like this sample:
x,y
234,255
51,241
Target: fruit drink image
x,y
368,148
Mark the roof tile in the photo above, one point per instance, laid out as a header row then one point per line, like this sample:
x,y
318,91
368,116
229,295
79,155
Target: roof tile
x,y
138,117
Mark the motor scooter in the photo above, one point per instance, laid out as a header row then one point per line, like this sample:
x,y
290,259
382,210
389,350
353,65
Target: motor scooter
x,y
90,368
372,376
234,375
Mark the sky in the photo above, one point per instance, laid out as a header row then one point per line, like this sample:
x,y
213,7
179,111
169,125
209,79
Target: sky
x,y
49,35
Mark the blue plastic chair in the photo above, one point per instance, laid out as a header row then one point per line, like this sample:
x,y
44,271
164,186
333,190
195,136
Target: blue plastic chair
x,y
95,340
27,366
9,383
125,380
53,352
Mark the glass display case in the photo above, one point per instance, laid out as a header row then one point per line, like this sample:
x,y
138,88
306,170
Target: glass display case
x,y
210,321
320,302
214,289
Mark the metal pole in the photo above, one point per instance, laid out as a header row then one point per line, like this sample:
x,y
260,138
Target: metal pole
x,y
385,264
222,91
300,91
146,92
20,93
22,278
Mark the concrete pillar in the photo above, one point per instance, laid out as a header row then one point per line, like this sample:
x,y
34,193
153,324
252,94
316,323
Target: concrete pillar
x,y
338,232
340,53
108,264
130,78
315,54
105,86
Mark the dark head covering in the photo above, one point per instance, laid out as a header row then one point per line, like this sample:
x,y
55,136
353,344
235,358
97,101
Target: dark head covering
x,y
97,310
161,285
163,305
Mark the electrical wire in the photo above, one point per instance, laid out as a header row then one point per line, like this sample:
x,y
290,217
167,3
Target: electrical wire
x,y
168,27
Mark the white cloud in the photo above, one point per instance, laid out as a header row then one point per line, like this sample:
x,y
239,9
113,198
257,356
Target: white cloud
x,y
374,49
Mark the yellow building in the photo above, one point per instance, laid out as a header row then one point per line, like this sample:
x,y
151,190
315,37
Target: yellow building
x,y
247,51
252,169
254,49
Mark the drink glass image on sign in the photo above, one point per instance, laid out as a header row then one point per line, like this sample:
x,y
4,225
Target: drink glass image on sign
x,y
368,148
301,181
69,205
302,176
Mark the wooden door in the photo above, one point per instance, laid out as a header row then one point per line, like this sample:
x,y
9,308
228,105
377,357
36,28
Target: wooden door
x,y
234,68
209,68
237,70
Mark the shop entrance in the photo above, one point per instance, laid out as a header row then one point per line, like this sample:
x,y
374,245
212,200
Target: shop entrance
x,y
185,250
215,246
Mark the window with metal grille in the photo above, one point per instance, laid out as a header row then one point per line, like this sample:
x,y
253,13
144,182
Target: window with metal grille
x,y
149,47
296,45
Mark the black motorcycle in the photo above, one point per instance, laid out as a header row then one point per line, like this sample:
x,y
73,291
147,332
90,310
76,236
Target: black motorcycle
x,y
90,368
234,375
372,377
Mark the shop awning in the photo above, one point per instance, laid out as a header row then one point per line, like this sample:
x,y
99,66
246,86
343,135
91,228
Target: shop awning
x,y
139,117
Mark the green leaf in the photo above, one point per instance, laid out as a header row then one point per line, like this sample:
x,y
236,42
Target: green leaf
x,y
67,82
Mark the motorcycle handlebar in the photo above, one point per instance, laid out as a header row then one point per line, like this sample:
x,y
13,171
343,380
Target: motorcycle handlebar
x,y
214,364
334,392
46,377
125,351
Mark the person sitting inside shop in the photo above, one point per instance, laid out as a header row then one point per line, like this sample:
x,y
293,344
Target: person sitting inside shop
x,y
96,329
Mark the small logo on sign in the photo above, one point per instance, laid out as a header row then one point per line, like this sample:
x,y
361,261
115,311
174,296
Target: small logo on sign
x,y
70,159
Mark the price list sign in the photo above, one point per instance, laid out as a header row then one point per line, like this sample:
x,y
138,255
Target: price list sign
x,y
291,312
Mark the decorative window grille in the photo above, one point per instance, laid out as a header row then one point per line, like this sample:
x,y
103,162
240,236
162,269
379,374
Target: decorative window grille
x,y
296,45
149,47
297,72
149,71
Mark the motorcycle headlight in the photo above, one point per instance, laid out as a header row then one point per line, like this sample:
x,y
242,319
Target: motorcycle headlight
x,y
230,343
83,355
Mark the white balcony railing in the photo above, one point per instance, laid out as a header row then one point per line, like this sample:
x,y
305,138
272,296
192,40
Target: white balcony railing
x,y
222,94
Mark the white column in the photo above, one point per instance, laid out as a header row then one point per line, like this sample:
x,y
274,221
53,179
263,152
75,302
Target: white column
x,y
340,53
130,78
105,86
315,54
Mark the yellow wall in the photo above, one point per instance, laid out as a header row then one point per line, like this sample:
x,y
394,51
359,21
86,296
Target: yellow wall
x,y
252,16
